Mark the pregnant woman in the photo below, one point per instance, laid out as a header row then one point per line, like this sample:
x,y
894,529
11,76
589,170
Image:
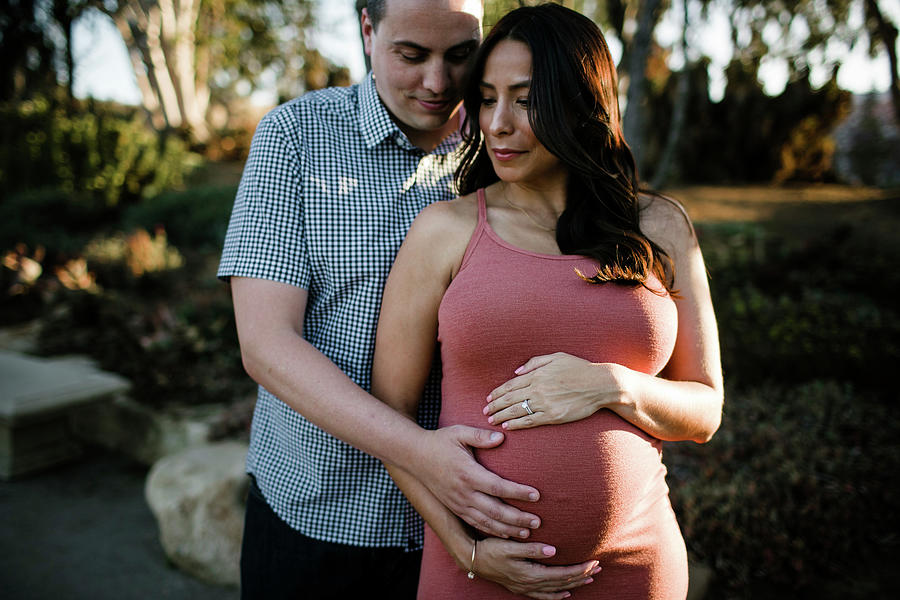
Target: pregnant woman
x,y
553,266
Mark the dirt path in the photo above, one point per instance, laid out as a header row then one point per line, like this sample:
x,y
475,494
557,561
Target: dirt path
x,y
800,209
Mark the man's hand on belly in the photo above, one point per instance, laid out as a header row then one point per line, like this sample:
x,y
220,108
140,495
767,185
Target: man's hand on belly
x,y
449,470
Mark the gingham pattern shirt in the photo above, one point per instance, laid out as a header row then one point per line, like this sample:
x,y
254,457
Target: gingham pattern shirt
x,y
328,193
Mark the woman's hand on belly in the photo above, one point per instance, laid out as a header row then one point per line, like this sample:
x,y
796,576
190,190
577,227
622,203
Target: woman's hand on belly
x,y
514,566
559,388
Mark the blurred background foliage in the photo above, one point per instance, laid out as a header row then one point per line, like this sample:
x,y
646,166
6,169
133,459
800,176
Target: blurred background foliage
x,y
112,218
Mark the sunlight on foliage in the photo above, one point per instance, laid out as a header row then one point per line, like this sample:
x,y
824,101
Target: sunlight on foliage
x,y
141,252
74,275
28,269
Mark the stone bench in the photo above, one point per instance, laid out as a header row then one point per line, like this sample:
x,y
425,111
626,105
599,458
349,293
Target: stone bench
x,y
38,397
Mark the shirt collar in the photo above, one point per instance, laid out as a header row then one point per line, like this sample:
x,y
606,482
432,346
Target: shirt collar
x,y
376,123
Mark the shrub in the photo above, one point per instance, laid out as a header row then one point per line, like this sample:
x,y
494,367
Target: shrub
x,y
194,218
794,497
97,152
795,310
183,351
60,221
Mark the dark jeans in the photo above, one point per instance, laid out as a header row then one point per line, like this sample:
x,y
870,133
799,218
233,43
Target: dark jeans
x,y
277,562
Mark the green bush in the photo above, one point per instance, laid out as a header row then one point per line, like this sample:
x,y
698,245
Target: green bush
x,y
794,497
793,310
60,221
182,351
98,152
194,218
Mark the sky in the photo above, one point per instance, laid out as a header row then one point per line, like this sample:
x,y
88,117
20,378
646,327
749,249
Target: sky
x,y
103,69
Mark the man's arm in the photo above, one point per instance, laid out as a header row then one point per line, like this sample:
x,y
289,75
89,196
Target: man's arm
x,y
269,318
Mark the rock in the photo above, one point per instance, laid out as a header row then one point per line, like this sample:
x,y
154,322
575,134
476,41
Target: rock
x,y
146,433
198,497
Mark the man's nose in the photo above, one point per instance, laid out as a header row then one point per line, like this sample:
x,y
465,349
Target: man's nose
x,y
436,78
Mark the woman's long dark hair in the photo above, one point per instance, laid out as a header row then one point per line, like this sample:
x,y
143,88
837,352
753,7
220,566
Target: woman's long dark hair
x,y
574,112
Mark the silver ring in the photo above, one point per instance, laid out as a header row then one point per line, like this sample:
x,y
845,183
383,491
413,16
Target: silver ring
x,y
527,408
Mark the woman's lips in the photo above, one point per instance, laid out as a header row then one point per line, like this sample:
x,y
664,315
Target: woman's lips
x,y
505,154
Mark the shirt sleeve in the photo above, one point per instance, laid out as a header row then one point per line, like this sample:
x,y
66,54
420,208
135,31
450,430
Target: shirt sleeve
x,y
266,238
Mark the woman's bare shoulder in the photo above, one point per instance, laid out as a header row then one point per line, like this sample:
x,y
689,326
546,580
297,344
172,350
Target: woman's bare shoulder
x,y
448,219
441,232
665,221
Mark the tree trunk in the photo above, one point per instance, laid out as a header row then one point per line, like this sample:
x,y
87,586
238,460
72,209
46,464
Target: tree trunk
x,y
638,54
679,111
64,13
887,33
170,68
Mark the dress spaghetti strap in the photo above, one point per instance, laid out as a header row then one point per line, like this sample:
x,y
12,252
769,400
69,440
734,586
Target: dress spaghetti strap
x,y
482,209
479,228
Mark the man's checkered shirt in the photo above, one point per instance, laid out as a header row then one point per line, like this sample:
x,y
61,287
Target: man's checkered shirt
x,y
328,193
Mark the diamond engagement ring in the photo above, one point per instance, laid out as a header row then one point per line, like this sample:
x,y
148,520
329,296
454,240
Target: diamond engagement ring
x,y
527,408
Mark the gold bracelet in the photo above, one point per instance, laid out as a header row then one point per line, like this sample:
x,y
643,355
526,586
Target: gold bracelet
x,y
471,573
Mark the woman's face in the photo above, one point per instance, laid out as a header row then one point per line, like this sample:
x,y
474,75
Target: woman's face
x,y
515,152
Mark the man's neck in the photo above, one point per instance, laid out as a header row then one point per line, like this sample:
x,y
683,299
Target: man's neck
x,y
427,141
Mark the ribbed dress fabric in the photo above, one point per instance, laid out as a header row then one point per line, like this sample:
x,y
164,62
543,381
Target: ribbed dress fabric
x,y
602,480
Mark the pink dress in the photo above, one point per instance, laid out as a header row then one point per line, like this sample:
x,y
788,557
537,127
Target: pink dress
x,y
602,480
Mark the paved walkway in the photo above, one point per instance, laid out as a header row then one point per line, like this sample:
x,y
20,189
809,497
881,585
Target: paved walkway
x,y
84,531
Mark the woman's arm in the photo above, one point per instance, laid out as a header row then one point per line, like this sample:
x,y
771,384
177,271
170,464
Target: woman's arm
x,y
683,403
405,343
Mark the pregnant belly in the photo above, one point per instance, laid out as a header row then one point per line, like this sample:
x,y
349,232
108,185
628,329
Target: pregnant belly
x,y
596,477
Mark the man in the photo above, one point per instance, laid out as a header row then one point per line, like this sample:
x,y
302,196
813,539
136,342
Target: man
x,y
332,183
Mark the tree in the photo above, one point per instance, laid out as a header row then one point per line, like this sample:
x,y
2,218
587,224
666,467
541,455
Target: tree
x,y
189,54
882,30
679,110
636,59
27,51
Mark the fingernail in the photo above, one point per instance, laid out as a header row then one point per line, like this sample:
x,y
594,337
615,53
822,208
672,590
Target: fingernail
x,y
488,399
535,524
484,410
596,566
496,436
519,370
523,533
505,426
588,580
567,595
491,420
548,550
533,496
596,570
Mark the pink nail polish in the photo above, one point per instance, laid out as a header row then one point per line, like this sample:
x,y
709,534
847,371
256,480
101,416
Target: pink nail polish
x,y
491,420
548,550
488,399
505,426
519,370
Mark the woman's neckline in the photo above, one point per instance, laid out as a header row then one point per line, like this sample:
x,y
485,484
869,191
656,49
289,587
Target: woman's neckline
x,y
502,242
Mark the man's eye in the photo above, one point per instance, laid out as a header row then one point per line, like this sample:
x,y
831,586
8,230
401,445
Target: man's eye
x,y
488,101
460,56
412,56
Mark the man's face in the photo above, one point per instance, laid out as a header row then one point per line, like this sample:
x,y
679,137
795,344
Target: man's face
x,y
419,56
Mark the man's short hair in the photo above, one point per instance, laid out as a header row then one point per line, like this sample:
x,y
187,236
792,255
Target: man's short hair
x,y
375,9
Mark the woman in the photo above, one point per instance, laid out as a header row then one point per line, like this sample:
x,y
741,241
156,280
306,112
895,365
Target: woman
x,y
552,255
